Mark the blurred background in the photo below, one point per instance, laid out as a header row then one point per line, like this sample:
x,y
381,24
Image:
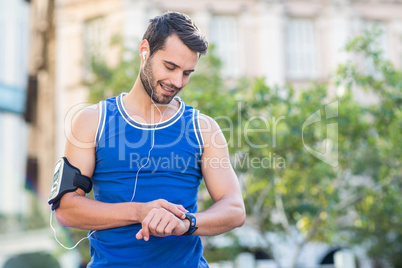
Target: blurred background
x,y
318,81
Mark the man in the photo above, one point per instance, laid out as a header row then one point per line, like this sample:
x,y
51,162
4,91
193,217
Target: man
x,y
151,152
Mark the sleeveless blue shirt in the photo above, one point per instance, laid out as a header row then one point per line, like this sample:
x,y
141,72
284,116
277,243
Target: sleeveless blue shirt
x,y
171,172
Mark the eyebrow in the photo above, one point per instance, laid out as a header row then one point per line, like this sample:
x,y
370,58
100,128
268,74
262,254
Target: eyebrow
x,y
177,66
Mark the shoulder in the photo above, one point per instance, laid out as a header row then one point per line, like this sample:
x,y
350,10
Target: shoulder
x,y
88,113
83,126
207,122
211,132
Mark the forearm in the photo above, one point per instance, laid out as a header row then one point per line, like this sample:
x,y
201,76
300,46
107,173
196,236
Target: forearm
x,y
84,213
221,217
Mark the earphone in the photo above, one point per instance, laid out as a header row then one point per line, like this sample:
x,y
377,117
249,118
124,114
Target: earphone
x,y
143,54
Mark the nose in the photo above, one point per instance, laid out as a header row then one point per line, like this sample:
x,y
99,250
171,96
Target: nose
x,y
177,80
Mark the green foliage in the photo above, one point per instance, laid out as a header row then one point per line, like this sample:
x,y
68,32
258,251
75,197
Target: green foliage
x,y
107,81
264,128
303,191
380,208
287,189
32,260
216,254
206,89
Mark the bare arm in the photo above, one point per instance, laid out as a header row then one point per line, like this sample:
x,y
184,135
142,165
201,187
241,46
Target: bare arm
x,y
78,211
228,210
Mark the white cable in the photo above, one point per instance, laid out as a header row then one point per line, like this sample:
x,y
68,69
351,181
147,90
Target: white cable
x,y
136,176
55,235
153,133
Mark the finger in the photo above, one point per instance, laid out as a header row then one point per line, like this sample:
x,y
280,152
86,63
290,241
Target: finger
x,y
145,224
180,207
171,227
139,235
155,222
175,210
165,221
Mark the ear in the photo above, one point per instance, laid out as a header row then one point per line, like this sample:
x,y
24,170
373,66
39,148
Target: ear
x,y
144,47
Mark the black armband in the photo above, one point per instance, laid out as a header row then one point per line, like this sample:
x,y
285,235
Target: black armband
x,y
66,178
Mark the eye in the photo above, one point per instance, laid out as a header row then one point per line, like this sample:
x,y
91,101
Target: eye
x,y
169,67
186,74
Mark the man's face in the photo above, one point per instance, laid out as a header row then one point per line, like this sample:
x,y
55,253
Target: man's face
x,y
168,70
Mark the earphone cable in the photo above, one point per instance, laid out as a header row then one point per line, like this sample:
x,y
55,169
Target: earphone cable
x,y
153,133
136,177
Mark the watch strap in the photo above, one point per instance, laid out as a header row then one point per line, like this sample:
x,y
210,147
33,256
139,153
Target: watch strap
x,y
193,222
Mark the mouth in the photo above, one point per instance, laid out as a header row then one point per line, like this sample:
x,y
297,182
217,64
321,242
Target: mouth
x,y
167,90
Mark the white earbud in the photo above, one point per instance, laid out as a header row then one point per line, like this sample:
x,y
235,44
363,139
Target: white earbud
x,y
143,54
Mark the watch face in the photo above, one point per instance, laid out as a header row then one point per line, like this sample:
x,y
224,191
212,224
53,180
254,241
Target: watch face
x,y
58,172
191,218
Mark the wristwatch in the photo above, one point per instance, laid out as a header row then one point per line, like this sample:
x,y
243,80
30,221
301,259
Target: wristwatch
x,y
193,222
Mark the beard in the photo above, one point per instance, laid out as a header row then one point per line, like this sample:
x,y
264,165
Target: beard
x,y
150,84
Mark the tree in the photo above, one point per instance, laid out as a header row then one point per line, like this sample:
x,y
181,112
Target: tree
x,y
309,199
286,189
311,167
305,198
380,209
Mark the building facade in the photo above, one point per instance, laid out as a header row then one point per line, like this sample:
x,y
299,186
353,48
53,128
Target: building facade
x,y
283,41
14,35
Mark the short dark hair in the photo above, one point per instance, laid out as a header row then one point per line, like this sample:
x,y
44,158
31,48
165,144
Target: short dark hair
x,y
161,27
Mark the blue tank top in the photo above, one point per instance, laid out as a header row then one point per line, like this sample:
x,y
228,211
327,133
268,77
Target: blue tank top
x,y
172,172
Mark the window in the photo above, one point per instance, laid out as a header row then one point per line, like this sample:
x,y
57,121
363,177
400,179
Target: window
x,y
14,31
95,44
301,49
224,36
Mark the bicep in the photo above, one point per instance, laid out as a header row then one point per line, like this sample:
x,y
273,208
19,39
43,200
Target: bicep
x,y
221,182
80,148
81,158
219,176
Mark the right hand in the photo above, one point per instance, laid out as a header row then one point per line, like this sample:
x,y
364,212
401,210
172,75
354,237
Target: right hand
x,y
147,208
161,223
177,210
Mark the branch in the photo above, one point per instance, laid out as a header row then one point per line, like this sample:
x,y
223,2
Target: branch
x,y
268,247
260,200
279,206
357,197
248,198
264,213
313,229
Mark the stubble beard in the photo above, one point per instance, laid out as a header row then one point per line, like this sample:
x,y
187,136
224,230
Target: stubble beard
x,y
150,85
